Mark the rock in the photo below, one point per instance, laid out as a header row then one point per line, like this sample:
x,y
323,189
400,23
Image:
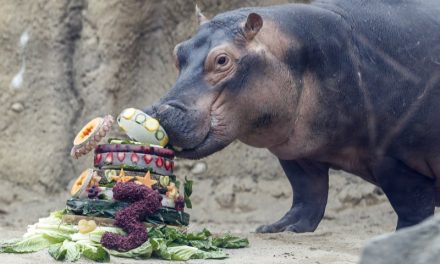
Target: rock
x,y
89,58
17,107
199,168
419,244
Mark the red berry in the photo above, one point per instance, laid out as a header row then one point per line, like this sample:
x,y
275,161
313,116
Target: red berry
x,y
134,158
148,158
98,158
121,156
167,164
109,158
159,162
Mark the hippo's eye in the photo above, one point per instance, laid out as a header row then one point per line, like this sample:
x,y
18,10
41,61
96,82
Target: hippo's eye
x,y
222,60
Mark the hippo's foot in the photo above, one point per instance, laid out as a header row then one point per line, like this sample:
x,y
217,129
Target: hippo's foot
x,y
297,221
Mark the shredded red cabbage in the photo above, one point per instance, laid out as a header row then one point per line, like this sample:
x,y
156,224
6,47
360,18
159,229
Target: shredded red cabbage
x,y
145,201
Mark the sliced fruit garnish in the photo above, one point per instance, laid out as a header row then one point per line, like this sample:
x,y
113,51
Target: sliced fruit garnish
x,y
121,156
128,113
146,180
90,135
167,164
152,124
98,158
109,174
82,182
109,158
140,118
134,158
85,226
148,158
164,180
159,135
88,130
159,162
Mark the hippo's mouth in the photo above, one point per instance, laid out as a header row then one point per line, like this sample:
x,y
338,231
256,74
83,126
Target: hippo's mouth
x,y
209,145
212,142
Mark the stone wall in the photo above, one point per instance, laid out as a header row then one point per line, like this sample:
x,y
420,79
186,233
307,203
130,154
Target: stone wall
x,y
66,62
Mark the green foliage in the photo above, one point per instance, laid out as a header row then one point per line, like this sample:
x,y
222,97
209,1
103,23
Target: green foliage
x,y
187,189
105,208
65,243
26,245
142,252
230,241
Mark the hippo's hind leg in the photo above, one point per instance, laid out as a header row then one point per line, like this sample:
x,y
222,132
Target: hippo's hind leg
x,y
411,194
309,182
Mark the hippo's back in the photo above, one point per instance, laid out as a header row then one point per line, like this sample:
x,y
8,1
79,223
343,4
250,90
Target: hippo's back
x,y
406,32
398,46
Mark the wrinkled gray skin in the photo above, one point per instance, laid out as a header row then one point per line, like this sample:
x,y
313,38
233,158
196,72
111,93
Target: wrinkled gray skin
x,y
345,84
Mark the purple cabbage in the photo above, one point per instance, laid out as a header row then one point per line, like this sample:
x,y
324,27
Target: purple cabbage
x,y
145,202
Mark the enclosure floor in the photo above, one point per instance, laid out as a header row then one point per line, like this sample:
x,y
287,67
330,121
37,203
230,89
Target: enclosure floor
x,y
338,239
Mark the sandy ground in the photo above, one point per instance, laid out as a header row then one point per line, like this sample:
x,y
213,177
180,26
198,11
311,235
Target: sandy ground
x,y
355,213
338,239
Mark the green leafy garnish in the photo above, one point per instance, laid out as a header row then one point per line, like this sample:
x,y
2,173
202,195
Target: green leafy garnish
x,y
68,251
230,241
142,252
98,254
27,245
65,243
187,189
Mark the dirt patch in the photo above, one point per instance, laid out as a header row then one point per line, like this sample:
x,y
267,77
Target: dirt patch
x,y
349,221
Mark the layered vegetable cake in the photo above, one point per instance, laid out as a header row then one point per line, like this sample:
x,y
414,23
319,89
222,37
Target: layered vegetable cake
x,y
142,159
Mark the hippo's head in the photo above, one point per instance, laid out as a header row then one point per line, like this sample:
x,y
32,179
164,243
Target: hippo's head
x,y
231,85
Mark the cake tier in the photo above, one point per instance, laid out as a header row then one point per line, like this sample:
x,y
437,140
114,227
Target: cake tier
x,y
134,161
108,209
162,152
109,222
105,174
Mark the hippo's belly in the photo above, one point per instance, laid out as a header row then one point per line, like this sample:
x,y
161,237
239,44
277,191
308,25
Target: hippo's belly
x,y
358,163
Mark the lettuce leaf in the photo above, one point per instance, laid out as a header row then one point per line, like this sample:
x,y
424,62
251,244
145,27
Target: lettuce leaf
x,y
68,251
29,244
182,252
142,252
93,251
213,254
64,242
58,214
95,235
230,241
98,254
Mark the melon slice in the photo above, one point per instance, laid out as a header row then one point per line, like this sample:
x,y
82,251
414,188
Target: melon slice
x,y
90,135
88,131
81,183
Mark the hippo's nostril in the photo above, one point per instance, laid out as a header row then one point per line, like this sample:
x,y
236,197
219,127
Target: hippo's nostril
x,y
163,108
172,104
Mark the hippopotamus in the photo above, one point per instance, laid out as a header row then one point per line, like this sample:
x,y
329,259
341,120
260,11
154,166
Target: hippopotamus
x,y
352,85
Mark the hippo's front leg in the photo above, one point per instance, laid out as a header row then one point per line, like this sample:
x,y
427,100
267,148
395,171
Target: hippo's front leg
x,y
309,182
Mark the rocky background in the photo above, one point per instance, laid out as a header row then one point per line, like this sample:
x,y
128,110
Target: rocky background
x,y
63,63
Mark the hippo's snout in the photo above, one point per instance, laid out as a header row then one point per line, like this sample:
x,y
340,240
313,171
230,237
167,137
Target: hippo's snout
x,y
185,127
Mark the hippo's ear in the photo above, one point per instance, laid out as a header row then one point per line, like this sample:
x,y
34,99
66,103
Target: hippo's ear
x,y
200,17
253,25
